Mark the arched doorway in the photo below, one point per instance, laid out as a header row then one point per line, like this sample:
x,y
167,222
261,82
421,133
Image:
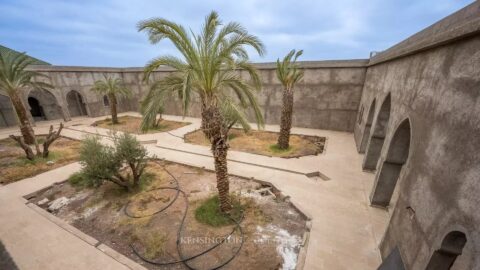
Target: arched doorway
x,y
43,105
36,110
451,248
76,106
368,126
375,144
389,172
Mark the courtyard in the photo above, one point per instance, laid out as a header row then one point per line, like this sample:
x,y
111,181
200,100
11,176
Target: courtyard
x,y
334,209
182,136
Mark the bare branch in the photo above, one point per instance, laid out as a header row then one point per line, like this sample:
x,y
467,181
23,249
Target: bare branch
x,y
51,137
24,146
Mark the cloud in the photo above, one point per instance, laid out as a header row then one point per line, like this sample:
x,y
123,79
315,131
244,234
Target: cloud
x,y
103,33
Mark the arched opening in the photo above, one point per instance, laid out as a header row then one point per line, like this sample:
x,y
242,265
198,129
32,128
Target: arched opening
x,y
36,109
106,101
368,126
389,172
451,248
43,105
76,106
375,144
7,113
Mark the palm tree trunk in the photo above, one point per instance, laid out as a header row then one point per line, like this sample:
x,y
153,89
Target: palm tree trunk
x,y
286,120
113,108
158,121
24,122
212,126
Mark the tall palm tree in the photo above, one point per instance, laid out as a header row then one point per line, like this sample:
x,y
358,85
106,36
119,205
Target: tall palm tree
x,y
209,67
15,78
289,74
112,87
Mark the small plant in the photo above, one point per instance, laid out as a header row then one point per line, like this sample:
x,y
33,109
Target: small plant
x,y
79,179
105,163
209,213
151,106
275,148
153,242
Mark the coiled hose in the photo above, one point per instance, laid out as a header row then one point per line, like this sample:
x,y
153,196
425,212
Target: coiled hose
x,y
184,259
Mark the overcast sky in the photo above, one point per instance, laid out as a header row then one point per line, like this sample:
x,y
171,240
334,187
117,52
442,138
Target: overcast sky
x,y
103,33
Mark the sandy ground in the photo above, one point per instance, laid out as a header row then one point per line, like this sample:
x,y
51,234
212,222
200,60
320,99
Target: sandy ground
x,y
272,228
131,124
14,166
262,143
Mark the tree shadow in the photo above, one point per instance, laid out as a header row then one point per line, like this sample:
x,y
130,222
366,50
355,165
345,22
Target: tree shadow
x,y
6,261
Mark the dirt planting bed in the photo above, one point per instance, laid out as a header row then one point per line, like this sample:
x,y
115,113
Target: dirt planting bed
x,y
264,143
131,124
271,229
15,166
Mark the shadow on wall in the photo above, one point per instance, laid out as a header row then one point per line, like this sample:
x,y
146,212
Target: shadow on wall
x,y
6,261
7,113
451,248
375,144
76,104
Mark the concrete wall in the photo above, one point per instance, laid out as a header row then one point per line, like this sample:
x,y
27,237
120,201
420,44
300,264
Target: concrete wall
x,y
435,83
327,97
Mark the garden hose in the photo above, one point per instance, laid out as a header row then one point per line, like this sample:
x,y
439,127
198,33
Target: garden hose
x,y
183,259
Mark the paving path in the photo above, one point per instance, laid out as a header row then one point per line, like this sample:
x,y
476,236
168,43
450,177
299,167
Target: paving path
x,y
345,230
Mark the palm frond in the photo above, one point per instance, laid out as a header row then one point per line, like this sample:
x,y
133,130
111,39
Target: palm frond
x,y
210,67
288,71
111,86
15,76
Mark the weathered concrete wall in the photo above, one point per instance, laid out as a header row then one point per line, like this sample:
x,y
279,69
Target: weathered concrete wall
x,y
327,97
437,88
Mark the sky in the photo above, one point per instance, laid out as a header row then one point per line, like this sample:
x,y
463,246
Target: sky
x,y
104,33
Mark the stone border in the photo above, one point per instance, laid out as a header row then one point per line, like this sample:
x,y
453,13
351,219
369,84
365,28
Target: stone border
x,y
301,257
303,136
238,161
154,141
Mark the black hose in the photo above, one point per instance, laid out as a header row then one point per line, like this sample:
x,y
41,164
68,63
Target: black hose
x,y
183,259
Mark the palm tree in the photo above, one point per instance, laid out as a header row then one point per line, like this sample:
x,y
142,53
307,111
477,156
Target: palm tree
x,y
112,87
209,67
15,78
289,74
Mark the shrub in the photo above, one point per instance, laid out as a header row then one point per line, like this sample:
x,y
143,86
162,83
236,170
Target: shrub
x,y
104,163
80,180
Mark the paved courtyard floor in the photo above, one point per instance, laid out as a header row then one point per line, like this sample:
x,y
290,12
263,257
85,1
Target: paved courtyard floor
x,y
345,230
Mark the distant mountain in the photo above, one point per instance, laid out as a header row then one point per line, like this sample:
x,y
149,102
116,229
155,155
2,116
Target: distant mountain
x,y
37,61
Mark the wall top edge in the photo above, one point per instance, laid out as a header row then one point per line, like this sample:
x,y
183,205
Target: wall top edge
x,y
354,63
